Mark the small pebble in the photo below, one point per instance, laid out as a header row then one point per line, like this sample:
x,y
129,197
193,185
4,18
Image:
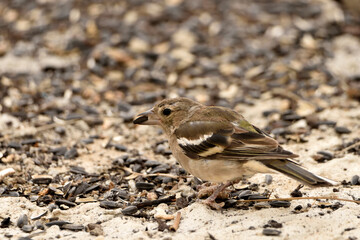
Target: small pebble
x,y
60,130
268,179
94,229
39,225
27,228
23,220
355,180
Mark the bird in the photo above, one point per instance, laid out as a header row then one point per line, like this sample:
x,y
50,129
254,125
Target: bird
x,y
218,145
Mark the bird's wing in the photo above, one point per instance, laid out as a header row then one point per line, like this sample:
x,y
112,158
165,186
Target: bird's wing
x,y
228,140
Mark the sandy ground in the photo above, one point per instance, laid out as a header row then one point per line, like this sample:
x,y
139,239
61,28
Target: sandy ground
x,y
200,222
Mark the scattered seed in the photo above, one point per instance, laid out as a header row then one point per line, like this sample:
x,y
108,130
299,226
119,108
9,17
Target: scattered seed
x,y
261,205
245,194
256,196
60,151
57,223
5,222
65,202
42,179
298,208
30,141
73,227
110,204
130,210
271,232
229,203
15,145
144,186
87,140
78,170
155,202
342,130
38,216
273,224
81,188
71,154
277,204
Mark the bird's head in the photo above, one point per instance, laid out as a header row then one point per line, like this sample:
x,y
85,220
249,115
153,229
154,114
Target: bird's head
x,y
168,113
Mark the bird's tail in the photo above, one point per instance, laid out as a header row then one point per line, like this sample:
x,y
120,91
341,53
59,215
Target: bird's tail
x,y
293,170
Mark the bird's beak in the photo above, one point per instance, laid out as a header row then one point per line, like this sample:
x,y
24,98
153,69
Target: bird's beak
x,y
147,118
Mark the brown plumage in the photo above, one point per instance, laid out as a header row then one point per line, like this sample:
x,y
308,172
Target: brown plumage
x,y
217,144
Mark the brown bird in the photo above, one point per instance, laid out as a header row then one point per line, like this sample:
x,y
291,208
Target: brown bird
x,y
217,144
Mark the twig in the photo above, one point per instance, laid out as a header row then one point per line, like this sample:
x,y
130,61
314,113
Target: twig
x,y
349,147
136,174
164,217
300,198
176,224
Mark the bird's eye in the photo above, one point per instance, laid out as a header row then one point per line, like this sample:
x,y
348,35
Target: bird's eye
x,y
166,111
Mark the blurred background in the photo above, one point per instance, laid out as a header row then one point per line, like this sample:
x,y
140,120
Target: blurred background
x,y
116,53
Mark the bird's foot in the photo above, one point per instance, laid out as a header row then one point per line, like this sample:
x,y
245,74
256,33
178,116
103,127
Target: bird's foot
x,y
211,203
206,191
216,191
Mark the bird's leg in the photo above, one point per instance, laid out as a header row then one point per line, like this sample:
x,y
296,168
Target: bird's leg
x,y
210,201
207,190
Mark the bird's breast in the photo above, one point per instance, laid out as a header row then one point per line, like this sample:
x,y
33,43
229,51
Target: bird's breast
x,y
217,170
